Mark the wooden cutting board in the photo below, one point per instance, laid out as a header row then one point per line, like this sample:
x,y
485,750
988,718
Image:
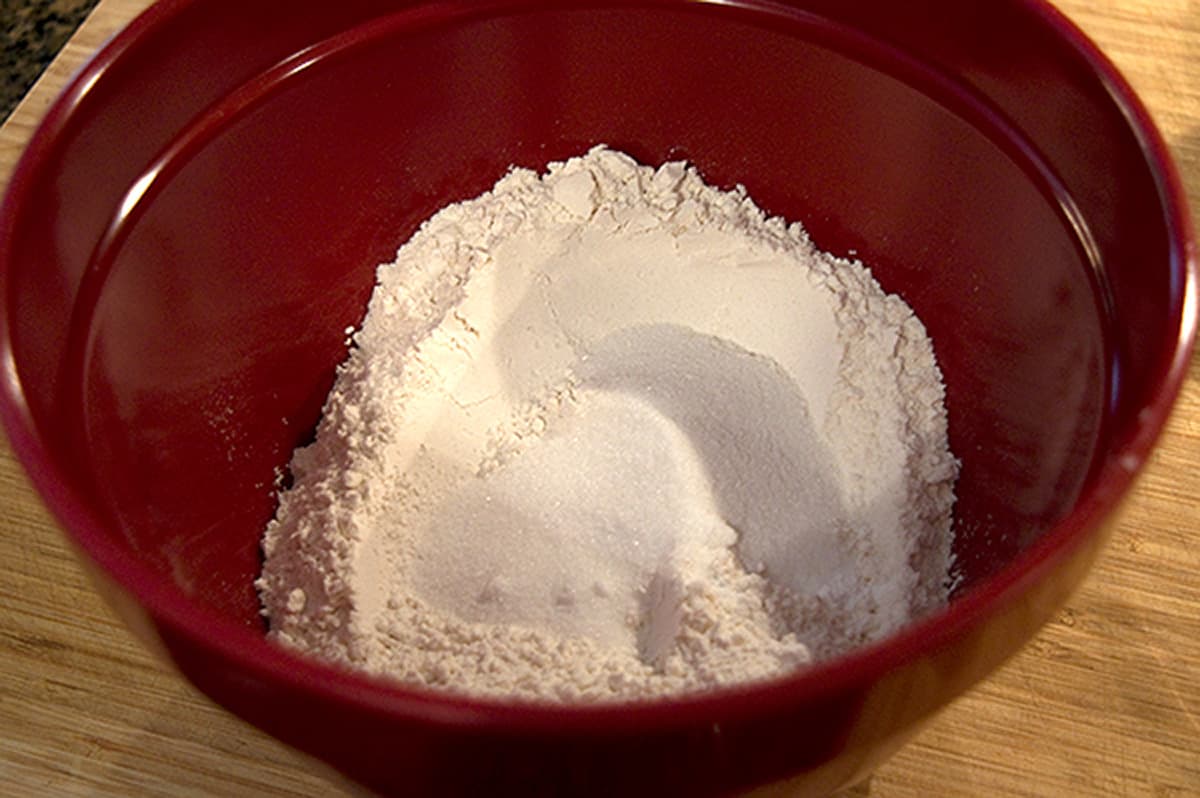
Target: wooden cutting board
x,y
1105,702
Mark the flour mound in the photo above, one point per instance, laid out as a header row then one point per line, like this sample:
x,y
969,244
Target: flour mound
x,y
611,433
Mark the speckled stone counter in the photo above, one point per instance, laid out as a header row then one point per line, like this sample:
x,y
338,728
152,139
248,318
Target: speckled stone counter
x,y
33,32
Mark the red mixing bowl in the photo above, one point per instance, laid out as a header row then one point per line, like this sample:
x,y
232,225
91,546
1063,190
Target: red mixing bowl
x,y
199,217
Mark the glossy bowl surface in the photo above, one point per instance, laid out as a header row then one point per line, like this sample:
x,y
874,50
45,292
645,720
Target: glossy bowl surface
x,y
198,221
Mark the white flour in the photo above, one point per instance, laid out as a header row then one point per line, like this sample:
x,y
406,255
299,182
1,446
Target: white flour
x,y
612,433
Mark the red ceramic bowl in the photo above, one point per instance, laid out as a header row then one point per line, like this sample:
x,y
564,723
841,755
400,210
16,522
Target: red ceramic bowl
x,y
199,217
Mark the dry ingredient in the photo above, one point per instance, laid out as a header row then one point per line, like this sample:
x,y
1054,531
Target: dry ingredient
x,y
611,433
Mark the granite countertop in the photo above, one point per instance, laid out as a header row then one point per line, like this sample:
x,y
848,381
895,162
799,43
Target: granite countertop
x,y
33,32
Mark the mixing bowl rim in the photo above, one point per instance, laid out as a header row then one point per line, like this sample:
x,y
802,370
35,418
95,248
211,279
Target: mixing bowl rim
x,y
175,614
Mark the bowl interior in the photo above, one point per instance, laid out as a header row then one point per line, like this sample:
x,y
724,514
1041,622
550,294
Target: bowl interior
x,y
203,314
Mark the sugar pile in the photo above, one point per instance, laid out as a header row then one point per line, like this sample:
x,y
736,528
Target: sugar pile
x,y
610,433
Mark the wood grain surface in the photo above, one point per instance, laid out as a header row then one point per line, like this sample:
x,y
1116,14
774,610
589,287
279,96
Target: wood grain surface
x,y
1105,701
